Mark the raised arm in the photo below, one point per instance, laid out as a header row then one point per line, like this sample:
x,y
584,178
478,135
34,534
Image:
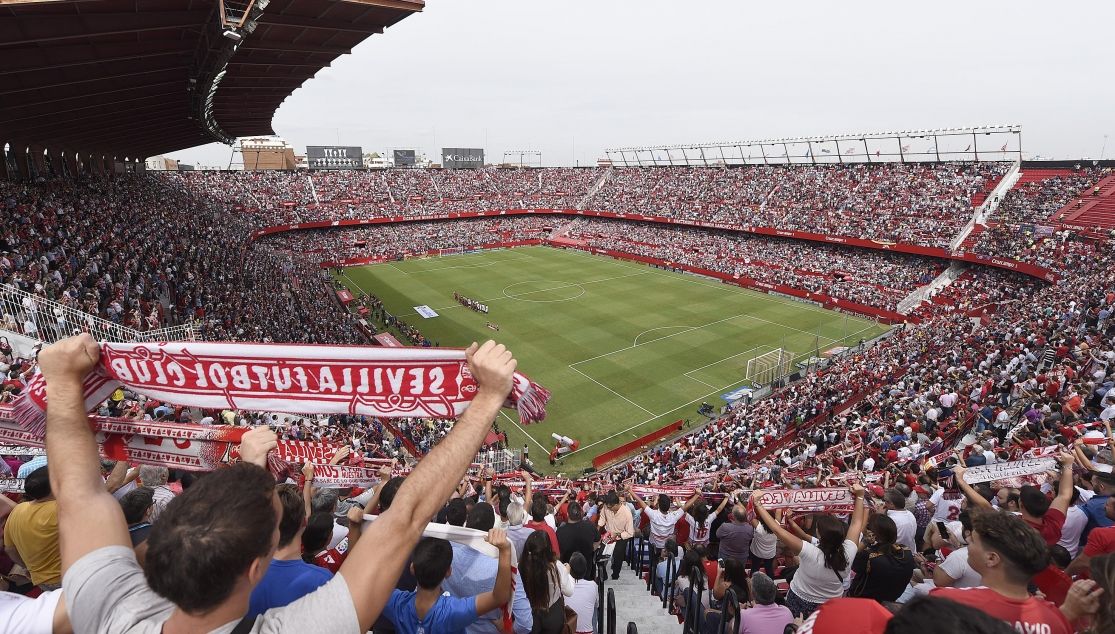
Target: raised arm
x,y
89,517
1064,488
638,498
374,565
723,504
528,491
308,488
118,477
792,542
973,496
501,593
859,514
691,501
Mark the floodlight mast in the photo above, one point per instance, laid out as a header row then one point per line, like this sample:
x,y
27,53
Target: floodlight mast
x,y
863,147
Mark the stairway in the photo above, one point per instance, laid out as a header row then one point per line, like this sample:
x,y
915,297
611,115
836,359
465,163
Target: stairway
x,y
636,605
923,293
988,203
595,188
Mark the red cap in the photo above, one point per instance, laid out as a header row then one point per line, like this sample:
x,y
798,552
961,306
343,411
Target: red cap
x,y
921,490
847,616
875,490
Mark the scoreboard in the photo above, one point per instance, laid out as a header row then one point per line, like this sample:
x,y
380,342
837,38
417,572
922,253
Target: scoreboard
x,y
334,157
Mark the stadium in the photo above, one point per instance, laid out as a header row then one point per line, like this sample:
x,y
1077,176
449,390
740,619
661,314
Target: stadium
x,y
744,372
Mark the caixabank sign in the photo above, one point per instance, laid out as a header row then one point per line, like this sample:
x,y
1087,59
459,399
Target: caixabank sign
x,y
462,157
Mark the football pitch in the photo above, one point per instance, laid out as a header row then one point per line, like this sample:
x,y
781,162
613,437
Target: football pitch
x,y
625,348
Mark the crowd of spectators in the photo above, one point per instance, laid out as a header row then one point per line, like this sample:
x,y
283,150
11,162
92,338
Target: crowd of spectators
x,y
1035,371
872,278
923,204
145,252
1022,228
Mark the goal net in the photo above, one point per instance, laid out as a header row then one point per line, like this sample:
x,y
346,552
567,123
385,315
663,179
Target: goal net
x,y
769,366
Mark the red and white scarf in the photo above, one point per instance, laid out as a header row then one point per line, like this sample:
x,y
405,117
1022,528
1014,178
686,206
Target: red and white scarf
x,y
833,500
185,446
388,382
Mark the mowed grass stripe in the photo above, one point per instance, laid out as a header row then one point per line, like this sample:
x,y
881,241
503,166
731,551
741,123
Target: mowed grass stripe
x,y
558,309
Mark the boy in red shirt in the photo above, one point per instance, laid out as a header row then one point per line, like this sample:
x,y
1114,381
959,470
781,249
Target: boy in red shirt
x,y
1007,553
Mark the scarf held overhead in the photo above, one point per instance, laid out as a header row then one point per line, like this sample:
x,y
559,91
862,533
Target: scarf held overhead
x,y
302,379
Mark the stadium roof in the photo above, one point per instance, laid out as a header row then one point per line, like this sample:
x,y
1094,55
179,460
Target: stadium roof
x,y
135,78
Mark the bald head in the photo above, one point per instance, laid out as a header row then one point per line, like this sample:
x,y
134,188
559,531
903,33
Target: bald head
x,y
739,513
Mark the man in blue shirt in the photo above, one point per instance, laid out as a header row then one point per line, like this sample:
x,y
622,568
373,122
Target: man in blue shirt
x,y
1104,486
427,610
474,573
288,578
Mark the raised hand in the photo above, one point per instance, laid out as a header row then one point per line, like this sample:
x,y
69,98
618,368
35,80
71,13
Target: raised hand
x,y
493,367
69,359
256,443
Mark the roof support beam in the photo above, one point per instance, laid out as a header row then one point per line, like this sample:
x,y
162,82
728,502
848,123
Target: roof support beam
x,y
290,47
297,21
92,62
54,28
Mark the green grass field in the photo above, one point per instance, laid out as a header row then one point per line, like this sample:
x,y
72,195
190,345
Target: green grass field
x,y
624,347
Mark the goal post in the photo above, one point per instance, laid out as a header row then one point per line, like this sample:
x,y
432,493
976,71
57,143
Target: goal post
x,y
769,366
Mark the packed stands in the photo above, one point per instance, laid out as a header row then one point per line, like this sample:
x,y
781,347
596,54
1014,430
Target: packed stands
x,y
919,204
1023,227
143,252
1014,365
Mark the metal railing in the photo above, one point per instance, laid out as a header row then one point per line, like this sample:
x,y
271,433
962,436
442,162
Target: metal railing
x,y
731,602
601,578
693,607
44,319
611,629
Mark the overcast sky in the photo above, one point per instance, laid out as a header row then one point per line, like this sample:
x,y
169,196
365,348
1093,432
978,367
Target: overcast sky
x,y
571,78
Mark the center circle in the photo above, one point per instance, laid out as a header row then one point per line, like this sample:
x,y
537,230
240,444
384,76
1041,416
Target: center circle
x,y
543,291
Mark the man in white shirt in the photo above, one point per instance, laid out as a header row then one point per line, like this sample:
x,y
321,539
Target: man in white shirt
x,y
904,520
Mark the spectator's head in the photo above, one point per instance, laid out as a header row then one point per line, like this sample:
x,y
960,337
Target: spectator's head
x,y
536,567
739,514
573,510
895,501
671,548
325,501
1102,570
1033,501
387,493
736,573
1103,483
316,536
152,476
612,500
664,503
481,517
578,566
294,513
1003,545
456,512
1060,556
432,562
883,530
941,616
515,514
700,512
763,590
538,508
217,535
136,504
37,485
830,536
